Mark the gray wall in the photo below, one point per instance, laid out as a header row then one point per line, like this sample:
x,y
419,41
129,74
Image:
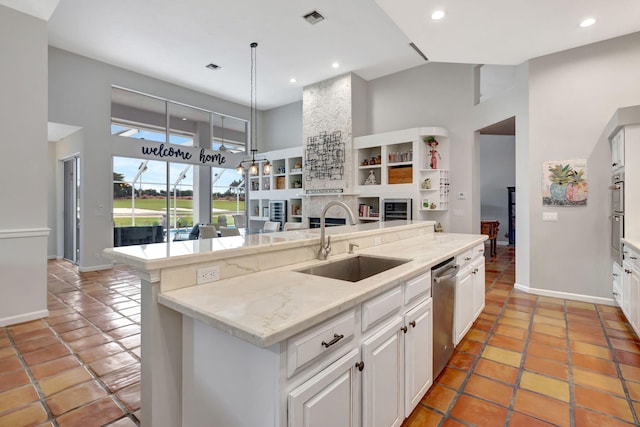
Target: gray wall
x,y
282,127
573,95
497,171
80,95
23,121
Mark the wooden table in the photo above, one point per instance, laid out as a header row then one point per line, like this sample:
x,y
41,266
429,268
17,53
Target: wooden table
x,y
490,228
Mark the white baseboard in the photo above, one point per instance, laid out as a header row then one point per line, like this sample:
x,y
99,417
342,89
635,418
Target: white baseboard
x,y
25,317
95,268
565,295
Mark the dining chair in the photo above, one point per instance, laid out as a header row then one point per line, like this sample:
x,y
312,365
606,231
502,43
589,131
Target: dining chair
x,y
271,226
229,231
239,221
208,231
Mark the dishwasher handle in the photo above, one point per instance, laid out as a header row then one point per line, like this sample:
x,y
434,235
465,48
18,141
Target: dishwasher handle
x,y
447,274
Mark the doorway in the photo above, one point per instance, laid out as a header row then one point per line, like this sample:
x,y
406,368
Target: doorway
x,y
497,178
71,205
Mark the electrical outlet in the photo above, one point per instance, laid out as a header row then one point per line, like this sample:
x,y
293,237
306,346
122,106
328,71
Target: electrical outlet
x,y
462,195
377,241
208,274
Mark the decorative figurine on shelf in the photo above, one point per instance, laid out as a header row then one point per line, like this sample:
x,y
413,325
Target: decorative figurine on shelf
x,y
371,179
439,228
426,184
432,143
433,205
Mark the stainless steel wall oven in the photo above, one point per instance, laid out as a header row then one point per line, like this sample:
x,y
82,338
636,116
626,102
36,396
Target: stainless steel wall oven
x,y
617,215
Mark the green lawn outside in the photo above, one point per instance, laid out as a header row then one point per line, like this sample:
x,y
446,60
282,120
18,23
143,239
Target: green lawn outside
x,y
184,218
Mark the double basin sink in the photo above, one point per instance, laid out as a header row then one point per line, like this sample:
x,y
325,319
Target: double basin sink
x,y
353,269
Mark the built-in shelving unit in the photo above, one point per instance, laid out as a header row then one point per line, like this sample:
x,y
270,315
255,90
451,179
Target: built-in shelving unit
x,y
400,162
285,182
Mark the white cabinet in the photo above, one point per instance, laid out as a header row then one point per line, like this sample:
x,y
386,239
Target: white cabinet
x,y
463,311
617,283
418,354
382,393
630,292
478,273
330,398
470,293
631,285
395,165
284,182
617,150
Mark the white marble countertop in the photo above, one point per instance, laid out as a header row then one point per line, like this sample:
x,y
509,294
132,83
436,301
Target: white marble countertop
x,y
270,306
634,243
162,255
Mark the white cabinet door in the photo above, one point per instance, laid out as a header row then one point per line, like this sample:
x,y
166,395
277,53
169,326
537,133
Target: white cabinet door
x,y
631,295
330,398
478,286
382,377
617,283
418,354
626,292
463,313
617,150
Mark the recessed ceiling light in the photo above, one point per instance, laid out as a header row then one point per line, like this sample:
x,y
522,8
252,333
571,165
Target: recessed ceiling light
x,y
587,22
184,118
292,80
438,14
335,65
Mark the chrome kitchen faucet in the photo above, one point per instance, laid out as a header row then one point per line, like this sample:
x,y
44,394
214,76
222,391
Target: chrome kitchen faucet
x,y
324,250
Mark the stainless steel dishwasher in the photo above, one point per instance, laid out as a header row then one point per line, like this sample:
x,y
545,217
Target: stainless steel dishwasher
x,y
443,291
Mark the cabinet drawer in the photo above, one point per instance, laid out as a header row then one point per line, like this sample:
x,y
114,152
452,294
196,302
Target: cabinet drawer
x,y
631,256
380,307
417,287
319,341
477,251
464,258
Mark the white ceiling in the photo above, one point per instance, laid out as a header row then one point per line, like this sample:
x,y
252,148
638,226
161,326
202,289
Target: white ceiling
x,y
173,40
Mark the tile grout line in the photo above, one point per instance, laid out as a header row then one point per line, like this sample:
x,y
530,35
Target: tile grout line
x,y
614,358
112,395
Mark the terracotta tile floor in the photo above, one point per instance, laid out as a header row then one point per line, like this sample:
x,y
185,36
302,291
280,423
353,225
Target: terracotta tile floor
x,y
527,361
537,361
81,365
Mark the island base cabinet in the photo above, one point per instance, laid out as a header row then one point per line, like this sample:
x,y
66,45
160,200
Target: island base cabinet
x,y
463,306
237,387
418,354
330,398
382,355
478,286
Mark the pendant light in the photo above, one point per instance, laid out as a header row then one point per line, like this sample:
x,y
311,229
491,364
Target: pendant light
x,y
253,168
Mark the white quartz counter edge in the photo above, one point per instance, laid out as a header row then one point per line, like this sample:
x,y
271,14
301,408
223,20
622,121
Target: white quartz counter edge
x,y
632,243
267,307
172,254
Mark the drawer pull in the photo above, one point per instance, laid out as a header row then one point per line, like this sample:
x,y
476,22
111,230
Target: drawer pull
x,y
413,323
360,366
633,257
335,339
404,329
467,258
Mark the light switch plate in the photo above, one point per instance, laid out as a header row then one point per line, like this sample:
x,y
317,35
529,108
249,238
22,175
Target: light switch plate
x,y
550,216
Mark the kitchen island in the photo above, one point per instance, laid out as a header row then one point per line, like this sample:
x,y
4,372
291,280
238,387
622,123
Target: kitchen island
x,y
234,351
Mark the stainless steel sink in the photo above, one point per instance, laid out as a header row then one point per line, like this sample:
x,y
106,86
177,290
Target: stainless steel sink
x,y
354,269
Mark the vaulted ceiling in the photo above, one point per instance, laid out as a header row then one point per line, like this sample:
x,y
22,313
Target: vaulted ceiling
x,y
174,40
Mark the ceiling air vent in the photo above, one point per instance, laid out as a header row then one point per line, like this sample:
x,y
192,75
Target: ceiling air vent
x,y
313,17
213,66
417,49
